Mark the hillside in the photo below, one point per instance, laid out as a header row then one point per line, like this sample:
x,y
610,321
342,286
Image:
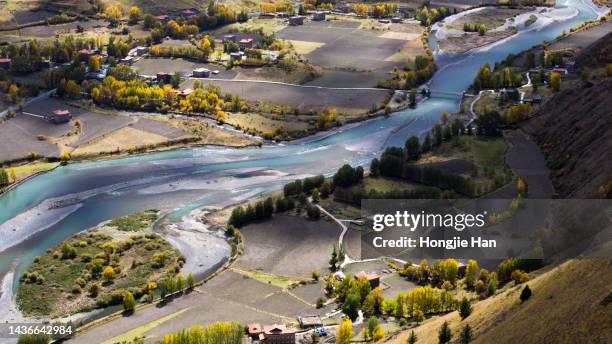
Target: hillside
x,y
571,303
574,130
597,54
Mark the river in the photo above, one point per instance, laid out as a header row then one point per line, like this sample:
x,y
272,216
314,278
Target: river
x,y
46,209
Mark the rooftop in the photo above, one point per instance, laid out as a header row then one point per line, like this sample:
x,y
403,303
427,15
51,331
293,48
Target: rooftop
x,y
61,112
254,328
367,275
277,329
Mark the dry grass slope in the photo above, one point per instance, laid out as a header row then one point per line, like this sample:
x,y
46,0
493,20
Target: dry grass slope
x,y
567,306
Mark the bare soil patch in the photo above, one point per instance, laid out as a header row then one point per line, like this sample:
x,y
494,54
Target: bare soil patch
x,y
288,246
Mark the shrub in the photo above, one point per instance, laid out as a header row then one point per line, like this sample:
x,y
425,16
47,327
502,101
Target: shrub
x,y
525,294
320,302
129,304
94,289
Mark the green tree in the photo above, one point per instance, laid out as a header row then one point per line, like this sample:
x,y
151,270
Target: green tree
x,y
465,308
412,338
412,149
412,97
437,135
488,123
190,280
492,283
4,177
444,334
129,304
148,21
372,325
426,146
94,289
525,293
351,304
175,80
471,273
180,282
466,334
316,195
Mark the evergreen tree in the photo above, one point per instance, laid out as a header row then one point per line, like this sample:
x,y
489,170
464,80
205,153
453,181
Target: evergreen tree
x,y
465,308
190,280
444,334
525,294
412,338
426,146
4,177
412,148
466,334
351,304
180,282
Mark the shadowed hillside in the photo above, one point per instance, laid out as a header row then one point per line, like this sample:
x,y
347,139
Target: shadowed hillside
x,y
574,130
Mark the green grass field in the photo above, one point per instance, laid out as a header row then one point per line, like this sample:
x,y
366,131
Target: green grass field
x,y
488,154
135,222
283,282
59,282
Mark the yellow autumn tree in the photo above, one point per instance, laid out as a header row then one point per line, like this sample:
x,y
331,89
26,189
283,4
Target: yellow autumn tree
x,y
14,93
134,15
267,7
360,9
113,13
94,63
344,332
555,81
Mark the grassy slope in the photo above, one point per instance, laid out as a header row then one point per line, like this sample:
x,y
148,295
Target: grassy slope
x,y
566,307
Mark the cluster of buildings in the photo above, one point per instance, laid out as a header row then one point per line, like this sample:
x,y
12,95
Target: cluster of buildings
x,y
299,20
247,41
186,14
133,54
272,334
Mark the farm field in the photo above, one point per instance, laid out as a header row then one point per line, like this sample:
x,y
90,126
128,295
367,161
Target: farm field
x,y
304,98
100,132
354,56
277,246
584,38
152,66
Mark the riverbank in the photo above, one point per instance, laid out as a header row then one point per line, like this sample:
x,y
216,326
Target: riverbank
x,y
500,24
